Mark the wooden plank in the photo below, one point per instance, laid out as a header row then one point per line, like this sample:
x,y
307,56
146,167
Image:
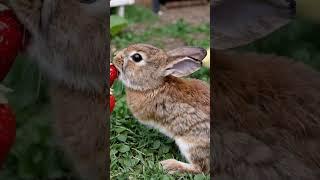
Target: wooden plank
x,y
145,3
116,3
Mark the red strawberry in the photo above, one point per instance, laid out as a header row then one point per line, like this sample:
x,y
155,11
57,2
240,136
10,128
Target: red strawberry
x,y
11,39
113,74
7,127
112,102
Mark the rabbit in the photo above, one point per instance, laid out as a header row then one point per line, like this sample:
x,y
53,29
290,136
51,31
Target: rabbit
x,y
68,41
159,97
266,118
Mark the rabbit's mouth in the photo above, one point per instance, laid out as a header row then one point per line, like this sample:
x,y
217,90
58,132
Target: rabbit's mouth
x,y
119,69
120,72
118,64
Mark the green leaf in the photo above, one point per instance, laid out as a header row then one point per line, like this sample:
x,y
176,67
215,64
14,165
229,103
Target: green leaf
x,y
199,177
122,137
113,151
119,129
164,149
156,144
124,148
27,83
165,177
117,24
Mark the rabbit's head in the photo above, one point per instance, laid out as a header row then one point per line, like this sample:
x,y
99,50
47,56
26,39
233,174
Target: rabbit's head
x,y
68,38
144,67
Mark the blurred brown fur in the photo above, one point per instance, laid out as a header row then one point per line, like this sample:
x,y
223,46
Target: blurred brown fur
x,y
69,44
266,118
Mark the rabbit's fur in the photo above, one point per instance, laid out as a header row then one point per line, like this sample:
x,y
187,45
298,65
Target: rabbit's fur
x,y
69,36
266,118
158,97
69,43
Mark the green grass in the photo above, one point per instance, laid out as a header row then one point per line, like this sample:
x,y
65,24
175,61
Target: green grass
x,y
154,35
139,14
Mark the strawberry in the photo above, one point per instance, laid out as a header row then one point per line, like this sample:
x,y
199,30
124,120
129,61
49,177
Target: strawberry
x,y
7,126
113,74
11,39
112,102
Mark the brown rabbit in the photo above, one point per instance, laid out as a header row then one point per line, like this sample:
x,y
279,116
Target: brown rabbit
x,y
266,107
158,97
266,118
68,42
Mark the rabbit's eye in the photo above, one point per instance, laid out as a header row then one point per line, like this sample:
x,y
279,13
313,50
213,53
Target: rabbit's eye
x,y
136,57
88,1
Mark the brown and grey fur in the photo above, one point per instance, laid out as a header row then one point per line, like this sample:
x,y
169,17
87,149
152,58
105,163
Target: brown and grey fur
x,y
179,108
237,23
68,42
266,123
266,118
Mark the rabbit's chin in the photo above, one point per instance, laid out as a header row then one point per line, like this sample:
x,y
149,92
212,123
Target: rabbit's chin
x,y
129,84
133,85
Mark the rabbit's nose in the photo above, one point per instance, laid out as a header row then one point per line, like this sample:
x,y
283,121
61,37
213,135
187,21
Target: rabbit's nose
x,y
119,55
118,60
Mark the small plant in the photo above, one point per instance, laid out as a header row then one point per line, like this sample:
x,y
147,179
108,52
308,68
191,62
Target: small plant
x,y
117,24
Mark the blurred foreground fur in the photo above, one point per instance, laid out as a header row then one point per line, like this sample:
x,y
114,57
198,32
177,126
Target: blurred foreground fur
x,y
68,42
266,118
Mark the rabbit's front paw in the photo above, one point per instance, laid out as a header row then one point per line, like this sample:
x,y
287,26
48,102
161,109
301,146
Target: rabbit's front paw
x,y
173,166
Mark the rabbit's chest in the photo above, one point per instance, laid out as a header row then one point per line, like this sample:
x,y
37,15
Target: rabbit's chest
x,y
147,111
142,107
153,124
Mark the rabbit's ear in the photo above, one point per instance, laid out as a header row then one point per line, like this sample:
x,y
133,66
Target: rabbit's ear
x,y
184,61
182,67
193,52
237,23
